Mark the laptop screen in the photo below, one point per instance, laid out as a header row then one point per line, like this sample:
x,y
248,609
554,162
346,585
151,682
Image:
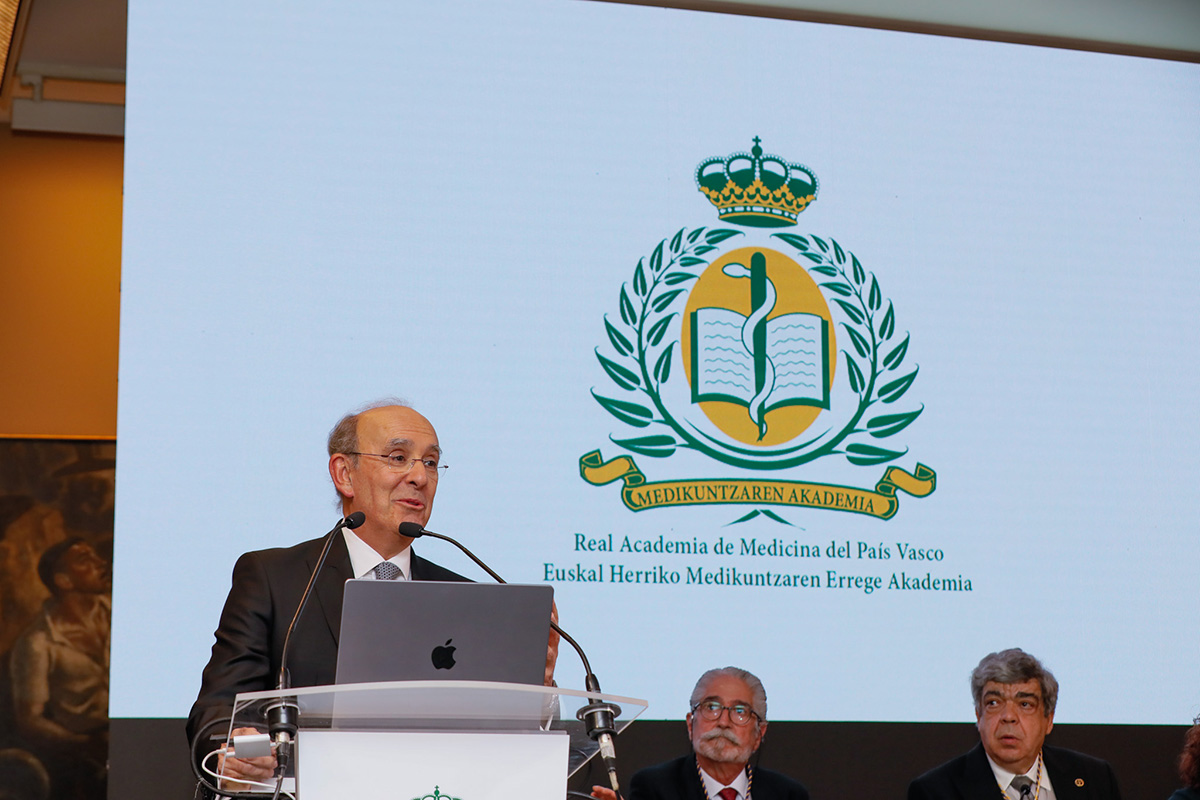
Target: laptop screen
x,y
432,630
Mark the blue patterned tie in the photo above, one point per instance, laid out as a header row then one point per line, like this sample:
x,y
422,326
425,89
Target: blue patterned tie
x,y
386,571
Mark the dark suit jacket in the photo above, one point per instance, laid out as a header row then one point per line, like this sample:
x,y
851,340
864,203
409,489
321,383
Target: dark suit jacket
x,y
267,585
679,780
1075,776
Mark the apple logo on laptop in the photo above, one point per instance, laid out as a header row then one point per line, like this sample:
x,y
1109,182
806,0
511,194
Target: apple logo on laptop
x,y
443,656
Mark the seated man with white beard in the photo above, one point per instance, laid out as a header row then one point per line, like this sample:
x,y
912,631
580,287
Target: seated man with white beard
x,y
726,725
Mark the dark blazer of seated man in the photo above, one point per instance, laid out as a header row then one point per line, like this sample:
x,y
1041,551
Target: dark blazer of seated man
x,y
726,725
1015,698
384,462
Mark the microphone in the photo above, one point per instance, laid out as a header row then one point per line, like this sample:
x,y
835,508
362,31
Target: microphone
x,y
353,521
599,718
282,713
414,530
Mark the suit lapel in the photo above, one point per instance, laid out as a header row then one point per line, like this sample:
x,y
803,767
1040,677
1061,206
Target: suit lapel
x,y
331,583
977,779
1062,776
691,778
416,566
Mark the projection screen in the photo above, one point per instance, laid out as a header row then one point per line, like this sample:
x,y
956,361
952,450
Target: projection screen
x,y
856,353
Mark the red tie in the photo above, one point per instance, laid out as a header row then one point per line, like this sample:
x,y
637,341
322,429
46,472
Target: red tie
x,y
728,793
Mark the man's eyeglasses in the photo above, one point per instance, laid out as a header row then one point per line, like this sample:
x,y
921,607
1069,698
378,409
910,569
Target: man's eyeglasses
x,y
403,463
739,714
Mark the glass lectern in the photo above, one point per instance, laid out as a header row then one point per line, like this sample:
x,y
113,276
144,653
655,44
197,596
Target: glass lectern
x,y
458,740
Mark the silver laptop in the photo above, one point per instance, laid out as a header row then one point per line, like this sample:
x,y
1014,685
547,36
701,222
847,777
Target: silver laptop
x,y
433,630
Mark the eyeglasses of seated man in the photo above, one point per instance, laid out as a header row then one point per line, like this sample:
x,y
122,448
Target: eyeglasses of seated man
x,y
739,713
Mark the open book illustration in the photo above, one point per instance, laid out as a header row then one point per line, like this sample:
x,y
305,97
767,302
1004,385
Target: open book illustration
x,y
757,362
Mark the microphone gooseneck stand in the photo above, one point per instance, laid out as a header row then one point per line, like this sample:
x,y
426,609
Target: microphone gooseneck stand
x,y
282,713
599,718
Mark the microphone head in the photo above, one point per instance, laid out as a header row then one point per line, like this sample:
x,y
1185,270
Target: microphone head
x,y
412,530
355,519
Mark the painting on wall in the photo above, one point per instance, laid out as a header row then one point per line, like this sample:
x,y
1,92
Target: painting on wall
x,y
56,533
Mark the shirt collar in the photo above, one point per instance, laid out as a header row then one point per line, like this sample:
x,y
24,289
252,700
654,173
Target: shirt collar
x,y
713,787
363,558
1004,777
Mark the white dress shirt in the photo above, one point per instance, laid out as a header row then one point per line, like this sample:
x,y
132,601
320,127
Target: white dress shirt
x,y
714,787
364,559
1003,778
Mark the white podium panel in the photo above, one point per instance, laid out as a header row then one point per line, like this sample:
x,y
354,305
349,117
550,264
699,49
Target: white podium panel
x,y
411,765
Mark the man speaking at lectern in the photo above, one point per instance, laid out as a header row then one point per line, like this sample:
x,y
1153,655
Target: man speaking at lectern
x,y
385,461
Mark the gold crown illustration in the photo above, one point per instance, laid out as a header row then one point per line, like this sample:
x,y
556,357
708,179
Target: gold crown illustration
x,y
762,191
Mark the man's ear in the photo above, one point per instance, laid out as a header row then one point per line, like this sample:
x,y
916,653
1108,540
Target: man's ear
x,y
340,471
762,732
63,581
688,722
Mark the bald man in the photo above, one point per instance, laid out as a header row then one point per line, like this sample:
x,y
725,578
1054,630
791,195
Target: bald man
x,y
385,461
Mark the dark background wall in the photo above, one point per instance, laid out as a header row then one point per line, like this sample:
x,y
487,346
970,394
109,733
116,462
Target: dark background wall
x,y
833,759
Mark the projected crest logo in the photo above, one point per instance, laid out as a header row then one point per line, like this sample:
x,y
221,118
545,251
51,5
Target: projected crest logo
x,y
752,318
436,795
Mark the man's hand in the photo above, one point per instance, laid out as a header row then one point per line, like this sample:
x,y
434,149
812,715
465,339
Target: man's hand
x,y
552,647
603,793
236,769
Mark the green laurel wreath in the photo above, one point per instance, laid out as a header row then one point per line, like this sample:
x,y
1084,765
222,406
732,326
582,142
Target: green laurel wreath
x,y
638,343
